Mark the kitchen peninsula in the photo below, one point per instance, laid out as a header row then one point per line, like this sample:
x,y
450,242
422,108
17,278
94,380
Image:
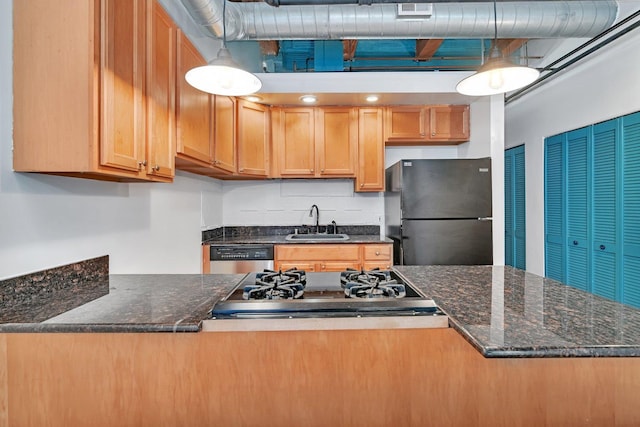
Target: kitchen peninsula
x,y
510,358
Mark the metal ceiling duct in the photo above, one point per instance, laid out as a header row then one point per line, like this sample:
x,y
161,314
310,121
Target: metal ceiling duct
x,y
516,19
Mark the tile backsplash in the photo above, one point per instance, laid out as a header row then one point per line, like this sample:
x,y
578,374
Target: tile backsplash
x,y
286,202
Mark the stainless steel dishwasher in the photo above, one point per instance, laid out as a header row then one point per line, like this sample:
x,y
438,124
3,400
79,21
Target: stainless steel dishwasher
x,y
240,258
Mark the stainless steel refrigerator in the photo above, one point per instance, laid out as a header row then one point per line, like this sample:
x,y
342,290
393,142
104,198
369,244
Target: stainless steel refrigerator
x,y
438,212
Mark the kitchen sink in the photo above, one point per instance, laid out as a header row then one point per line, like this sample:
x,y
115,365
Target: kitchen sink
x,y
315,237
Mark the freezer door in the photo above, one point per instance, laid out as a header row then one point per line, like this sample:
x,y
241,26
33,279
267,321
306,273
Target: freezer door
x,y
447,242
446,188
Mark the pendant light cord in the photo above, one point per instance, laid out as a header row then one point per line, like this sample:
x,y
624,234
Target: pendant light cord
x,y
224,23
495,23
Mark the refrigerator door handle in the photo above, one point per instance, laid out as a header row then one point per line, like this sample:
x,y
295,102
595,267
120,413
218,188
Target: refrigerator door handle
x,y
485,218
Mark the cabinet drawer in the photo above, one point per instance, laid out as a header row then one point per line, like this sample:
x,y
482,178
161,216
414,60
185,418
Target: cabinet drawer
x,y
371,265
377,252
317,252
303,265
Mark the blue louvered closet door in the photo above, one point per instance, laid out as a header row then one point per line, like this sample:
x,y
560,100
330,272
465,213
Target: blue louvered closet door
x,y
515,205
554,211
631,210
592,203
508,208
605,210
577,272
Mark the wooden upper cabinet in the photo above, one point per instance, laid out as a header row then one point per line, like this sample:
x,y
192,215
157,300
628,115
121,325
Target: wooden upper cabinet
x,y
427,125
294,141
405,123
315,142
370,173
193,108
161,92
336,141
449,123
86,100
123,65
253,140
224,133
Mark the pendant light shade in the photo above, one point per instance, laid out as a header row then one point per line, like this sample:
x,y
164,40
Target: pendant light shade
x,y
497,75
223,76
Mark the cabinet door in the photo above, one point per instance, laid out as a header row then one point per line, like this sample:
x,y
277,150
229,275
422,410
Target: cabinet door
x,y
193,108
554,208
302,265
253,139
337,266
123,138
336,141
605,210
224,133
449,123
370,174
294,142
514,207
161,86
578,207
631,210
405,123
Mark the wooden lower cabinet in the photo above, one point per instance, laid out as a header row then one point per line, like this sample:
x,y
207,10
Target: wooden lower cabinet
x,y
384,377
377,256
333,257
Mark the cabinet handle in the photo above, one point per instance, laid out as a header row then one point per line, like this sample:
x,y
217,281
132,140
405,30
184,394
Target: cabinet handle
x,y
575,243
310,170
361,185
215,162
433,134
241,169
156,168
321,170
142,163
603,247
377,253
322,266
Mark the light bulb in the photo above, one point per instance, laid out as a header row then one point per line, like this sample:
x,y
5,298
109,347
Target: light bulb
x,y
496,79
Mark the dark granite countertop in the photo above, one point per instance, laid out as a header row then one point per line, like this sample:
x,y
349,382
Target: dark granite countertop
x,y
142,303
506,312
277,235
501,311
353,239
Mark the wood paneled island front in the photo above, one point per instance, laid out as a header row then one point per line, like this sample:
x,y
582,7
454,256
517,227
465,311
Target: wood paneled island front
x,y
91,370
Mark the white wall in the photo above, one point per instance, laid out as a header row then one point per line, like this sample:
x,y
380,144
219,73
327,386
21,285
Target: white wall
x,y
604,86
46,221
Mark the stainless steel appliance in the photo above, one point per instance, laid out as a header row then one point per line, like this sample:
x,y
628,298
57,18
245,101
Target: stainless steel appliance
x,y
230,259
298,294
439,211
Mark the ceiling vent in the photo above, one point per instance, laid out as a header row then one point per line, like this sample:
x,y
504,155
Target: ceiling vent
x,y
415,10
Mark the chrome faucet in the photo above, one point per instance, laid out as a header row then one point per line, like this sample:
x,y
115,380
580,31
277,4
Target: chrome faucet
x,y
317,217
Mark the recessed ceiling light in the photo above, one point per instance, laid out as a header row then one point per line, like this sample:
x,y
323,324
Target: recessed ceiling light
x,y
253,98
372,98
308,99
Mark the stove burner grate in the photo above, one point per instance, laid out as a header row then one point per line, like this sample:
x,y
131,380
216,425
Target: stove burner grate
x,y
374,283
270,284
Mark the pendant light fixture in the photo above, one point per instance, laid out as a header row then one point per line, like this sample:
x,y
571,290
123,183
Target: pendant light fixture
x,y
222,75
497,74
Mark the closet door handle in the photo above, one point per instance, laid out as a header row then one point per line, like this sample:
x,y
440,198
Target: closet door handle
x,y
575,243
602,247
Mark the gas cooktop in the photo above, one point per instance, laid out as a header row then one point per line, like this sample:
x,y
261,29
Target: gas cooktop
x,y
296,293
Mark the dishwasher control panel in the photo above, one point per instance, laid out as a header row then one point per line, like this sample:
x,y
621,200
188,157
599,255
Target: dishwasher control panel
x,y
241,252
